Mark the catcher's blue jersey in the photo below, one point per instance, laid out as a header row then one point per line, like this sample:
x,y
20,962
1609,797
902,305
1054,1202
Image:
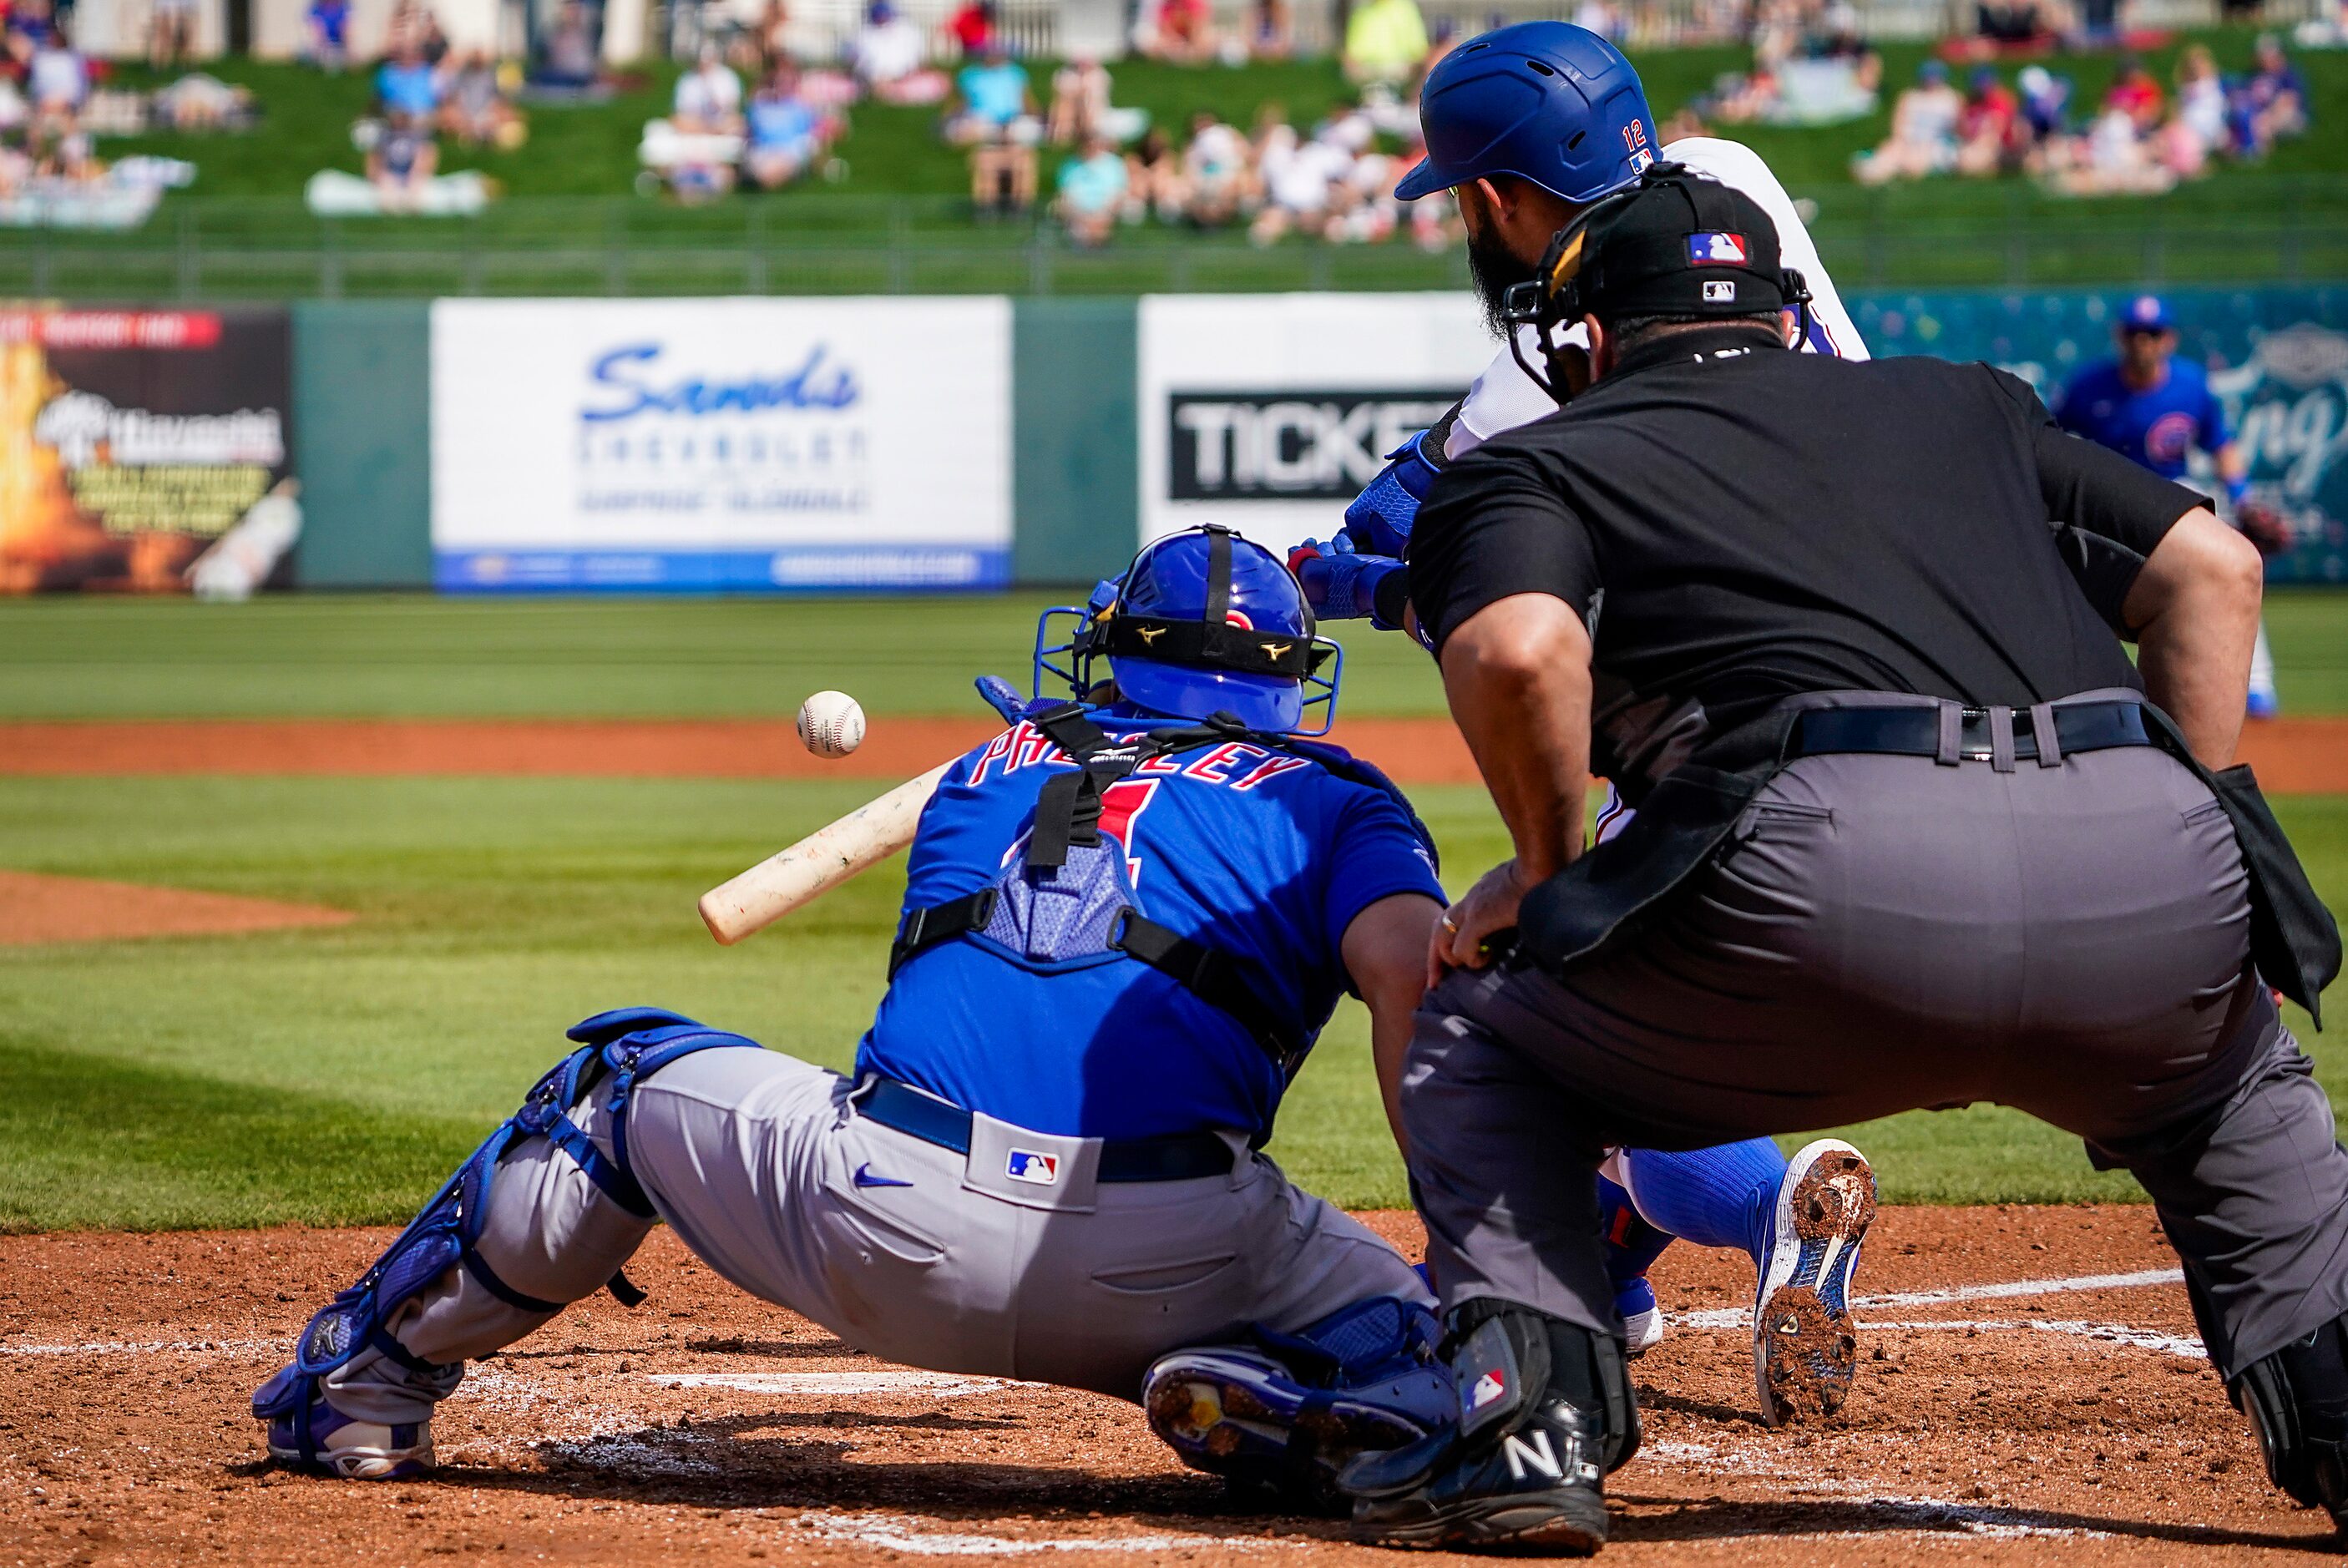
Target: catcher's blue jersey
x,y
1263,856
2158,428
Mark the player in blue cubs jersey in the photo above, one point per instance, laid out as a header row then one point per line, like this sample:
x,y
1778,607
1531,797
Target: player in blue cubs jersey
x,y
1532,126
1127,920
1267,854
2157,409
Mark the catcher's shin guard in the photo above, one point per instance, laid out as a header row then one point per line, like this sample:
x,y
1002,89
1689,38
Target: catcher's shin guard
x,y
2297,1399
1546,1410
616,1049
1288,1411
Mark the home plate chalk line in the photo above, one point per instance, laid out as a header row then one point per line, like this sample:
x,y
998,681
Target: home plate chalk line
x,y
935,1385
1740,1317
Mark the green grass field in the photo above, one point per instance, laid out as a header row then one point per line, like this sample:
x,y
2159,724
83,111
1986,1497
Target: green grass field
x,y
334,1075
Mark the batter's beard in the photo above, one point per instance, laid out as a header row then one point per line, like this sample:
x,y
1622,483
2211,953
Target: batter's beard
x,y
1495,269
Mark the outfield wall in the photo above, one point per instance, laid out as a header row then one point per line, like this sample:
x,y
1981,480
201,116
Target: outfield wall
x,y
537,446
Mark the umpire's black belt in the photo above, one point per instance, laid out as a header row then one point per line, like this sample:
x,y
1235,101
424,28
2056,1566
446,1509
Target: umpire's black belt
x,y
2046,734
1179,1157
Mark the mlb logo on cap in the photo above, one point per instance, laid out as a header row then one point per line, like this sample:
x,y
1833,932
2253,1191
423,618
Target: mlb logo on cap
x,y
1719,290
1027,1165
1716,249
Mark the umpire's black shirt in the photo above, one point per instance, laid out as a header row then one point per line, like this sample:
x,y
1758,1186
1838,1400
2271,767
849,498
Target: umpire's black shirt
x,y
1745,522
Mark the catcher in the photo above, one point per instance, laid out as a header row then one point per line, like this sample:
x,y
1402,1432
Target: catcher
x,y
1125,921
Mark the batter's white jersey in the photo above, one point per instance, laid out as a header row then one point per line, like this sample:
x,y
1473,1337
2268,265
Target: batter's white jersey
x,y
1504,397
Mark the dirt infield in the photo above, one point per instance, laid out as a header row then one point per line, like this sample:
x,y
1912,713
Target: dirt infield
x,y
2032,1393
2304,755
36,909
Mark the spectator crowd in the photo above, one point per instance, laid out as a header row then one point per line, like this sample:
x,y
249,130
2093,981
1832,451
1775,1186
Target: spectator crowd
x,y
2140,138
55,103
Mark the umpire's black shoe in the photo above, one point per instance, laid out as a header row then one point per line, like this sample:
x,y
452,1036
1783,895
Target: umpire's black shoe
x,y
1526,1466
2297,1399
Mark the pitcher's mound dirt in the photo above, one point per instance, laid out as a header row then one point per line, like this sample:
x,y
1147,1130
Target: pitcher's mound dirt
x,y
2032,1393
34,908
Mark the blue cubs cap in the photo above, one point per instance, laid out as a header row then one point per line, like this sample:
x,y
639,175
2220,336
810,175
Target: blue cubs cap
x,y
1545,101
1203,622
2147,312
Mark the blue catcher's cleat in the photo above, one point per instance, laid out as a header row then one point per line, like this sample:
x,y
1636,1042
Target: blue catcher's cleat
x,y
307,1434
1642,1316
1282,1421
2261,705
1804,1346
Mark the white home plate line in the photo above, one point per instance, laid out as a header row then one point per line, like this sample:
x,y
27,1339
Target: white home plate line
x,y
931,1384
2189,1345
2185,1345
1740,1317
152,1347
895,1533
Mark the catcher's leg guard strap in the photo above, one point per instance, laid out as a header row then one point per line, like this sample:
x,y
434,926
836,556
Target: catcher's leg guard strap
x,y
634,1043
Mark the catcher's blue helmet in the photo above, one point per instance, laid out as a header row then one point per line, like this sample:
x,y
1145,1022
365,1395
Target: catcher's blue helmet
x,y
1203,622
1546,101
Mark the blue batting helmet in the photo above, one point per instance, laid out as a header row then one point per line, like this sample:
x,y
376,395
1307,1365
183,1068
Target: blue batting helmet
x,y
1546,101
1203,622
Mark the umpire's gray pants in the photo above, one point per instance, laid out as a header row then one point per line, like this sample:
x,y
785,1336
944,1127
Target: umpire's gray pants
x,y
905,1250
1885,934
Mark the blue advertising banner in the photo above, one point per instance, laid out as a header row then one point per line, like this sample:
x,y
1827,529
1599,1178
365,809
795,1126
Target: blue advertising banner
x,y
2277,361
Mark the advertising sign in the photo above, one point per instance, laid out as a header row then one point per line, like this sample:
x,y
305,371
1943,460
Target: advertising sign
x,y
131,441
2277,357
720,444
1269,413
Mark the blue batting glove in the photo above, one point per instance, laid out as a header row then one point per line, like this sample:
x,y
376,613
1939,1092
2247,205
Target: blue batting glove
x,y
1339,582
1378,522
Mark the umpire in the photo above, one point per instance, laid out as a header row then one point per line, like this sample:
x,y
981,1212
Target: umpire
x,y
1911,831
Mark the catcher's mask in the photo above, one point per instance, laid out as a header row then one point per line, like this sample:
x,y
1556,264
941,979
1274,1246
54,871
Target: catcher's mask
x,y
1203,622
1676,244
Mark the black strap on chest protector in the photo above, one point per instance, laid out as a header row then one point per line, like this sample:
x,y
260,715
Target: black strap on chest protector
x,y
1068,811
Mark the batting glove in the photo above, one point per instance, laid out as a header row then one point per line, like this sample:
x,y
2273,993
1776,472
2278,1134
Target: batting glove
x,y
1339,582
1379,520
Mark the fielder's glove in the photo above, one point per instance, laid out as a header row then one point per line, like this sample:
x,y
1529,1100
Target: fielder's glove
x,y
1342,583
2265,527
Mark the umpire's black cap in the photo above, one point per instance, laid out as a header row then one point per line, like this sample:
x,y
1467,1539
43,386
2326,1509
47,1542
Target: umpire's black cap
x,y
1675,245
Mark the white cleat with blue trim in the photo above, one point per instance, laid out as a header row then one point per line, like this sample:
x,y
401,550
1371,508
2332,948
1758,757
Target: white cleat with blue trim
x,y
1805,1348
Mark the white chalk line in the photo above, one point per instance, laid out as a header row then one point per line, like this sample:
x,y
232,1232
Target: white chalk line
x,y
1742,1317
931,1384
895,1533
153,1347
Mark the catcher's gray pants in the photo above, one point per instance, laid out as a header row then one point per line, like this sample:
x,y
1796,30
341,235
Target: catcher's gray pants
x,y
901,1248
1885,934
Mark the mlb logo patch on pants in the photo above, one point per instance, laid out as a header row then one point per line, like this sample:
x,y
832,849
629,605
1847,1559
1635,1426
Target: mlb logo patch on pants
x,y
1028,1165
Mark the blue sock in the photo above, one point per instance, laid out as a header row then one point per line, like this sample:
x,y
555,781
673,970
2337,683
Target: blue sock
x,y
1632,1244
1719,1197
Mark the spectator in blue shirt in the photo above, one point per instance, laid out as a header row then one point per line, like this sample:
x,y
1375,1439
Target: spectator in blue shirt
x,y
2276,96
994,115
994,102
786,136
1092,190
405,83
326,27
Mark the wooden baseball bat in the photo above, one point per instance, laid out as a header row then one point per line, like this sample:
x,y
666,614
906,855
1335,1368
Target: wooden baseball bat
x,y
818,862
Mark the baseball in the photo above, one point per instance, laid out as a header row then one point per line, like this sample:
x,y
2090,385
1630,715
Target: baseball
x,y
831,724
